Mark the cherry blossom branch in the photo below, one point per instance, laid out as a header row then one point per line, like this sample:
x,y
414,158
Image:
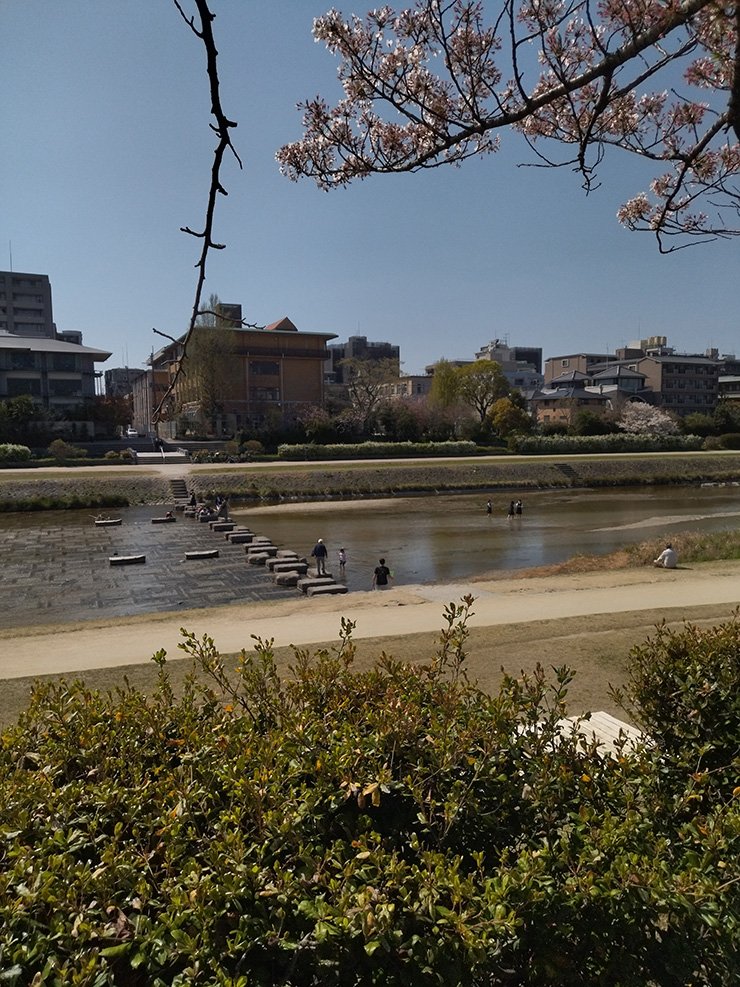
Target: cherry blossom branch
x,y
222,128
573,73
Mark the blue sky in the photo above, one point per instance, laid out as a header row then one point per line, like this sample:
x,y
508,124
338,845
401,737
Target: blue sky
x,y
104,113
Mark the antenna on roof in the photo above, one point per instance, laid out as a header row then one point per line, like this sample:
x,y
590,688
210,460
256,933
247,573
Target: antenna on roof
x,y
10,253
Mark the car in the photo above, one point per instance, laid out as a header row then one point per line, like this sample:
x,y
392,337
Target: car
x,y
131,433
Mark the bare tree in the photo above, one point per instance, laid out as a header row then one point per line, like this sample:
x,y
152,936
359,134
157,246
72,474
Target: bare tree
x,y
436,84
366,380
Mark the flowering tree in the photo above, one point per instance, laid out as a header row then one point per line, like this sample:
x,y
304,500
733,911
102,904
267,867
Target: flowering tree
x,y
644,419
437,83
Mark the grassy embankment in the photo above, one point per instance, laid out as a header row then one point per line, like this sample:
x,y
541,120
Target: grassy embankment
x,y
308,481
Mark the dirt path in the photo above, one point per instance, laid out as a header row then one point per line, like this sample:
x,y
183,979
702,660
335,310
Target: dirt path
x,y
608,598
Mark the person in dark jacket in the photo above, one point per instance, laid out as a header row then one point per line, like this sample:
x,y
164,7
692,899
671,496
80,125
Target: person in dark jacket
x,y
319,553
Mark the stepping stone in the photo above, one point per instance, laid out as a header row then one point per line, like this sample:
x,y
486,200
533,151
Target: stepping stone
x,y
240,537
210,553
287,578
258,558
330,589
307,581
287,553
278,559
300,567
127,559
263,549
222,525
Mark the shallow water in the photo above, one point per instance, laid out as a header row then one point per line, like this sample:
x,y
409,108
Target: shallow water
x,y
55,564
450,537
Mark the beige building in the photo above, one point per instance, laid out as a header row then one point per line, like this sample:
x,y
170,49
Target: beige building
x,y
264,372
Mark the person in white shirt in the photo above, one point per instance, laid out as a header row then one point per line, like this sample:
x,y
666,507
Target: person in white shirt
x,y
667,558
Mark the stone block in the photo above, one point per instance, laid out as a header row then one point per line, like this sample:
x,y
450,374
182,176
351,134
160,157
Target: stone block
x,y
307,581
286,578
329,589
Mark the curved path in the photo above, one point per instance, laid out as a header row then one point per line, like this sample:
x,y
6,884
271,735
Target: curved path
x,y
401,610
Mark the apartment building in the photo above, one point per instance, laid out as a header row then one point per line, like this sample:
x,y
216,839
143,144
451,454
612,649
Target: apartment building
x,y
357,348
25,305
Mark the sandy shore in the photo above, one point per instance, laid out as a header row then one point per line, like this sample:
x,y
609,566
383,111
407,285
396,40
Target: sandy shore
x,y
606,596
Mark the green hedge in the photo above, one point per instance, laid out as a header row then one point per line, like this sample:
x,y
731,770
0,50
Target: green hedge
x,y
377,450
619,442
396,827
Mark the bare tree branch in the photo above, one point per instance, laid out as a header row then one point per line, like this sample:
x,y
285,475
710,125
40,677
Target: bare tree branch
x,y
221,128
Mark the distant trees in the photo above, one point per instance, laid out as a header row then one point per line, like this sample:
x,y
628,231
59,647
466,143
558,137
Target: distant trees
x,y
644,419
480,384
366,380
510,417
23,420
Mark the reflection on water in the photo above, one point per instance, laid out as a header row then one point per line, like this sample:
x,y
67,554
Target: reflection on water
x,y
449,538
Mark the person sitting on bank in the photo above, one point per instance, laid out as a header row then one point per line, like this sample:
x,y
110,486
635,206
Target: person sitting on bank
x,y
667,558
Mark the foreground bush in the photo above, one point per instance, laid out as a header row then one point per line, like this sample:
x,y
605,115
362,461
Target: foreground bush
x,y
391,827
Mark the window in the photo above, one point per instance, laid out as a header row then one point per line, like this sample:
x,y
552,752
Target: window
x,y
565,363
63,361
24,385
22,361
65,388
264,368
264,393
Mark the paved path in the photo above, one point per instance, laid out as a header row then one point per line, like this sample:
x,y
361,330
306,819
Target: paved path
x,y
399,611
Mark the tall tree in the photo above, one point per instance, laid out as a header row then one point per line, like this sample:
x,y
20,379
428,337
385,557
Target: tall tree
x,y
366,380
443,392
480,385
212,372
437,83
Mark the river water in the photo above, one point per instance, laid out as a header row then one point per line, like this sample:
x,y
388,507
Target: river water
x,y
56,563
447,538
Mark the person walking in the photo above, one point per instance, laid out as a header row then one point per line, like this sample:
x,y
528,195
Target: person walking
x,y
489,508
342,561
518,507
512,508
319,553
381,575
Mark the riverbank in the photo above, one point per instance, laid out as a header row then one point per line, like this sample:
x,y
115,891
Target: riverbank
x,y
255,483
587,621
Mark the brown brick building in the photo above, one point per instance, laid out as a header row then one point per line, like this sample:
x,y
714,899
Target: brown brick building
x,y
248,375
